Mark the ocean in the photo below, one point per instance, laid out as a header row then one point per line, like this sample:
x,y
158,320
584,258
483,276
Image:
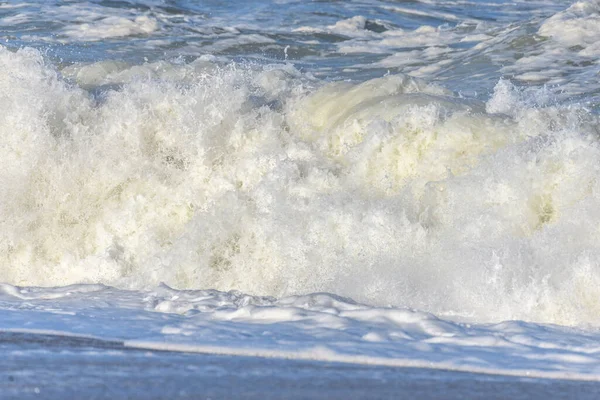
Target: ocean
x,y
366,186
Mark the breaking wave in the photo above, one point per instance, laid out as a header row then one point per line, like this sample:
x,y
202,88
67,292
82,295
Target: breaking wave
x,y
265,180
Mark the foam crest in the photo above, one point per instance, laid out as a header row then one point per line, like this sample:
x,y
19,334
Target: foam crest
x,y
317,327
564,50
263,180
111,27
576,26
113,73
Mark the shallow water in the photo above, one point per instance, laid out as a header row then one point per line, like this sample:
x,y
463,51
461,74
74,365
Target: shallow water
x,y
99,370
357,176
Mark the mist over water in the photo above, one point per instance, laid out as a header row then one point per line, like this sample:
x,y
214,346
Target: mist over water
x,y
435,156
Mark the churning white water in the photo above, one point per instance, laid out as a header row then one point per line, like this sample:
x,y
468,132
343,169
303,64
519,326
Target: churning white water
x,y
438,158
260,179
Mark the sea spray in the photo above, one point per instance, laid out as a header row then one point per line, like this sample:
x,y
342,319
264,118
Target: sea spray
x,y
266,180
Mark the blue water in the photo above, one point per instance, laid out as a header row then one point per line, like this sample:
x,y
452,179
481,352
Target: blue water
x,y
389,183
300,33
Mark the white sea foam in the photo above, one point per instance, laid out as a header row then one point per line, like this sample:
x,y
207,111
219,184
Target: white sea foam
x,y
111,27
568,40
303,209
579,25
263,180
554,47
420,52
544,42
354,27
318,327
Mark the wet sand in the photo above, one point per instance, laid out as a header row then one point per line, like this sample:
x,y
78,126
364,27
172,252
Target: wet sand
x,y
55,367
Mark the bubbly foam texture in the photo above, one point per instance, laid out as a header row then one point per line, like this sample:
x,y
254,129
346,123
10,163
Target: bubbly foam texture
x,y
82,22
541,42
579,25
552,45
111,27
265,181
319,327
566,50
